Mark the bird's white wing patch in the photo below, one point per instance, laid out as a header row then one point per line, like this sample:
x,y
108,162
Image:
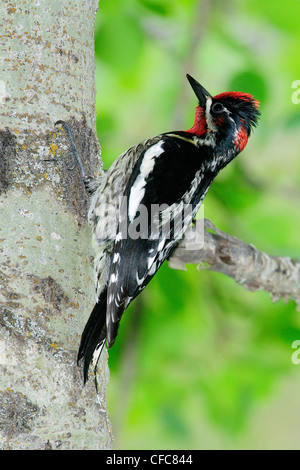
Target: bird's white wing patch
x,y
138,189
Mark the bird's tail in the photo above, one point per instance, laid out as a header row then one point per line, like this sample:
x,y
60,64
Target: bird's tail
x,y
93,336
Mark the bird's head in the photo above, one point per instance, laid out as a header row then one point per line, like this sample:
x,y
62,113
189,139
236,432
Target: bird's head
x,y
227,117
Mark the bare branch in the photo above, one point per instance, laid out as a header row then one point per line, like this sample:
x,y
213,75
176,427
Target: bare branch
x,y
249,267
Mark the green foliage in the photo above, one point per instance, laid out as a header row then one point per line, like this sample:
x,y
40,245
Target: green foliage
x,y
198,359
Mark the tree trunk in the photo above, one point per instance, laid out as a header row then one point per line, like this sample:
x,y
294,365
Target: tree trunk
x,y
46,272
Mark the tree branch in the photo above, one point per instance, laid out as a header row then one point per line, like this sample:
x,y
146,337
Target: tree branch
x,y
215,250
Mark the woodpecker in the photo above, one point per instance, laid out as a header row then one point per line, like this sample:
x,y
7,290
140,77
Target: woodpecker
x,y
170,172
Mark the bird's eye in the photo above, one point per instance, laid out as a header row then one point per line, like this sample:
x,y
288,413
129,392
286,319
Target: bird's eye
x,y
217,108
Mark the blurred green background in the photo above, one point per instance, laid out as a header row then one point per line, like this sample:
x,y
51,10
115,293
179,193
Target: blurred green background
x,y
200,363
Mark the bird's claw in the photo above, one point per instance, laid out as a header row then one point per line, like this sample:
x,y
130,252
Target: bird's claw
x,y
73,151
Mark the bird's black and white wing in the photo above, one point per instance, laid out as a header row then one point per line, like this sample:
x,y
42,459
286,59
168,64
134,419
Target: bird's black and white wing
x,y
152,219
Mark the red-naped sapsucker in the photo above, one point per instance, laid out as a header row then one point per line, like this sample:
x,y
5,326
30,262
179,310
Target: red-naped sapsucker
x,y
141,207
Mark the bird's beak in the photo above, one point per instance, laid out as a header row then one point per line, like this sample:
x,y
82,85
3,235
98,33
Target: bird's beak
x,y
199,91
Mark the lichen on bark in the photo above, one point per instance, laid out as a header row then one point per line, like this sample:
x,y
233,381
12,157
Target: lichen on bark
x,y
46,269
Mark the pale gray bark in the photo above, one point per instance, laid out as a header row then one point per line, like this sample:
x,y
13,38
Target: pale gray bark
x,y
46,269
215,250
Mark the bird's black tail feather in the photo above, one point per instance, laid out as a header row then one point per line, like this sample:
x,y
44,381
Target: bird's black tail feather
x,y
94,335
